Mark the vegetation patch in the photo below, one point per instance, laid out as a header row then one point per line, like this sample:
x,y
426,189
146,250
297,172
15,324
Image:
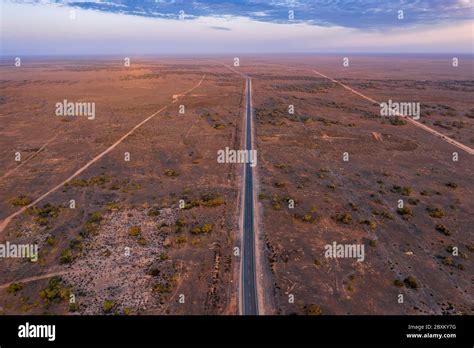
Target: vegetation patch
x,y
435,212
21,201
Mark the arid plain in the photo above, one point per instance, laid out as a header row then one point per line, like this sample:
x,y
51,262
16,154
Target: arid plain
x,y
156,219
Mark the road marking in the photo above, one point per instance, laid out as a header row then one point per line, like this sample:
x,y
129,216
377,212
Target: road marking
x,y
7,220
409,119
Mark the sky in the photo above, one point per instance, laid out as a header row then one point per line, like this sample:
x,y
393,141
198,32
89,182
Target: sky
x,y
138,27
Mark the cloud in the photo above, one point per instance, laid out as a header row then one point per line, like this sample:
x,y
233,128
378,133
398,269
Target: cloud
x,y
368,14
48,30
220,28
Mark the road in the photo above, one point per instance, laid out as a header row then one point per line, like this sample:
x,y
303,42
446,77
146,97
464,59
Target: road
x,y
248,295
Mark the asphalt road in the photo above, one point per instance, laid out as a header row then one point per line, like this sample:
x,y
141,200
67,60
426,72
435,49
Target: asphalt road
x,y
248,277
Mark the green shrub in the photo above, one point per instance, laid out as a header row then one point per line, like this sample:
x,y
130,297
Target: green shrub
x,y
73,307
206,228
443,229
134,231
21,201
181,240
344,218
397,121
313,309
95,217
404,191
55,290
398,283
405,212
435,212
13,288
411,282
276,205
108,305
66,256
452,185
51,241
171,173
161,288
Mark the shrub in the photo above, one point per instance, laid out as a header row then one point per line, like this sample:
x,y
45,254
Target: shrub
x,y
354,206
443,229
397,121
113,206
411,282
313,309
345,218
387,215
181,222
398,283
44,213
435,212
134,231
155,211
181,240
276,205
161,288
213,202
108,305
73,307
55,290
66,256
171,173
404,191
206,228
50,241
405,212
452,185
371,224
448,261
154,271
95,217
13,288
99,180
21,201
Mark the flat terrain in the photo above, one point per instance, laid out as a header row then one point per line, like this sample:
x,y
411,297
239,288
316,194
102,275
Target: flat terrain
x,y
407,251
128,247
